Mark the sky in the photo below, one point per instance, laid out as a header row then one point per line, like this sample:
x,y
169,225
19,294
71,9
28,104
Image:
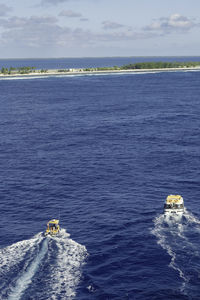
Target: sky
x,y
99,28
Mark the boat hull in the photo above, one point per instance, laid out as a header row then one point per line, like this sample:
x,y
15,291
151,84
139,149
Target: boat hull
x,y
51,234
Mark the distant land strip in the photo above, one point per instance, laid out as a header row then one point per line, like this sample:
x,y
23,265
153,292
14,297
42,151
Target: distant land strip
x,y
136,67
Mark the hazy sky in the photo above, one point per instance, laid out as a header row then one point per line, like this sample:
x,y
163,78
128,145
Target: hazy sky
x,y
77,28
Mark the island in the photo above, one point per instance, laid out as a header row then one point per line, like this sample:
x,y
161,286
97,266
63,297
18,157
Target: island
x,y
135,67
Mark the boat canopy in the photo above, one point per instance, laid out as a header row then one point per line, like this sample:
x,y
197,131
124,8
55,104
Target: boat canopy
x,y
53,222
52,227
176,199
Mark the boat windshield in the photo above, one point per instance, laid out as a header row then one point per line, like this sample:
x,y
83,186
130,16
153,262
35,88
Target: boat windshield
x,y
173,206
53,226
168,206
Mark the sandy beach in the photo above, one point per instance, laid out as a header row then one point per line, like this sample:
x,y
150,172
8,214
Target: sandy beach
x,y
83,72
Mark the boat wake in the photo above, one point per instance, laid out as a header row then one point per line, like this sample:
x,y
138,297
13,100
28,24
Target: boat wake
x,y
179,236
48,268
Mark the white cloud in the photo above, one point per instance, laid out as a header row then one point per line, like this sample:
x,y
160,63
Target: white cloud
x,y
45,32
4,10
178,21
39,32
175,22
70,14
111,25
84,19
19,22
53,2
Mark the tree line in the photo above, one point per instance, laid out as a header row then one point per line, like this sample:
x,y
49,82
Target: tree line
x,y
20,70
147,65
160,65
134,66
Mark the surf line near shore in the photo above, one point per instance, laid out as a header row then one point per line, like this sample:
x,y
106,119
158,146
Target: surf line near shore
x,y
81,71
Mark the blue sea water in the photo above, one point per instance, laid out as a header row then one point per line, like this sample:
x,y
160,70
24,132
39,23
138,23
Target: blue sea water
x,y
101,153
89,62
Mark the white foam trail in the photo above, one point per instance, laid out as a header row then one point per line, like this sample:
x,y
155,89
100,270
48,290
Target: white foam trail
x,y
15,253
191,218
66,273
62,258
24,280
12,256
160,233
176,236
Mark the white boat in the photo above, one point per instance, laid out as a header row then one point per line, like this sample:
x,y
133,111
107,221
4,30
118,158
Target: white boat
x,y
174,205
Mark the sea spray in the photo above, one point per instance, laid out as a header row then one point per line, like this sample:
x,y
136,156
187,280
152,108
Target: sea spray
x,y
27,262
24,280
65,274
175,236
12,258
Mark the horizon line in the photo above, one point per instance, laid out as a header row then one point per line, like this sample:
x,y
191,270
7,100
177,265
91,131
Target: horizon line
x,y
81,57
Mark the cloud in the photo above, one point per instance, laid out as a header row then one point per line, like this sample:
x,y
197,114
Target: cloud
x,y
173,23
41,31
84,19
19,22
70,14
45,32
53,2
4,10
111,25
125,35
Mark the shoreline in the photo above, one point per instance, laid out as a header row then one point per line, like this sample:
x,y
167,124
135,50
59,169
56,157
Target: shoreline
x,y
56,72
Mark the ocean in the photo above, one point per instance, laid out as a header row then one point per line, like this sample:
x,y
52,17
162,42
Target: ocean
x,y
88,62
101,153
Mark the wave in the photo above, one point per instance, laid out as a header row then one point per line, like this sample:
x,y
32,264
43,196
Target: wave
x,y
65,274
54,262
177,236
25,279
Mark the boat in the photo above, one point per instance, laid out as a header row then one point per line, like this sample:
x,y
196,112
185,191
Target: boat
x,y
174,205
53,228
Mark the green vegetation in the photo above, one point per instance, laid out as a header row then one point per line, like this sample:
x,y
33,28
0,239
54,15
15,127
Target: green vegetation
x,y
147,65
25,70
43,71
115,68
134,66
63,70
4,71
107,68
19,70
160,65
